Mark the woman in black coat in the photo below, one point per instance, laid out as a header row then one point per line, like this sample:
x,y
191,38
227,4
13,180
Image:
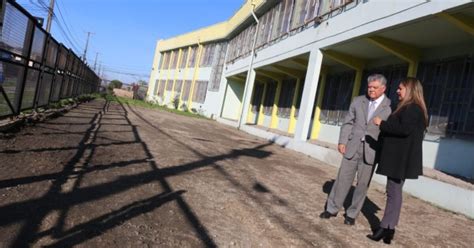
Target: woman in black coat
x,y
401,154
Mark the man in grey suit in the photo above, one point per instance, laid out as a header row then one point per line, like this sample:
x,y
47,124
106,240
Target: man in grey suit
x,y
358,143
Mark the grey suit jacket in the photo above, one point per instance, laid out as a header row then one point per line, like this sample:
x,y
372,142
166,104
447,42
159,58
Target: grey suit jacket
x,y
356,126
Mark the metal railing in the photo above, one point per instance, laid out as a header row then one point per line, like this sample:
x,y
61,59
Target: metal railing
x,y
35,69
286,18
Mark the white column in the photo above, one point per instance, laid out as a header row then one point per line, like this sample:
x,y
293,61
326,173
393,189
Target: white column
x,y
309,94
248,89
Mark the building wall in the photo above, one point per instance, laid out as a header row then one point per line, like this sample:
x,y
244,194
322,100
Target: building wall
x,y
366,18
437,154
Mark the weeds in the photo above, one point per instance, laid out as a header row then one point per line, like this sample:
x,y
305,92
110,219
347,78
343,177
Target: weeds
x,y
149,105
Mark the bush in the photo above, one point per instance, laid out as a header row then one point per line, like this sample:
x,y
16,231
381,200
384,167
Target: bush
x,y
176,102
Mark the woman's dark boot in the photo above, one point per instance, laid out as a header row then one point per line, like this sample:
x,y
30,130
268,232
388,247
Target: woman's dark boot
x,y
388,238
382,233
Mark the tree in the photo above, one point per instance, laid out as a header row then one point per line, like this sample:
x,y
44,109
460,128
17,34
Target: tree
x,y
114,84
142,82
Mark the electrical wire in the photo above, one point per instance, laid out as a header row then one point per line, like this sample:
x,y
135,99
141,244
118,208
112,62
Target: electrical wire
x,y
74,38
41,7
125,73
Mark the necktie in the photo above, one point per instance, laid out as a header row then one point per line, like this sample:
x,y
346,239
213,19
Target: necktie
x,y
371,110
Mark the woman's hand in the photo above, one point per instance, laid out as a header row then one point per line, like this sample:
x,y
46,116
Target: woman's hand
x,y
377,120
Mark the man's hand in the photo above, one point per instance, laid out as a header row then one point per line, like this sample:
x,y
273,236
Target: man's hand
x,y
341,148
377,120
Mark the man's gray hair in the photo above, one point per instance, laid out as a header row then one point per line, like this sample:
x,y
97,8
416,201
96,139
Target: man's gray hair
x,y
377,77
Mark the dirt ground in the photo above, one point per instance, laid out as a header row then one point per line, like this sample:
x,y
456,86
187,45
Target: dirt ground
x,y
108,175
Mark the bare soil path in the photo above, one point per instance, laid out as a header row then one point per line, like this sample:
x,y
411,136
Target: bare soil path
x,y
108,175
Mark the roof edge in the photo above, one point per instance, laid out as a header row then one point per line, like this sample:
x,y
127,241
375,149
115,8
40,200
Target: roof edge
x,y
214,32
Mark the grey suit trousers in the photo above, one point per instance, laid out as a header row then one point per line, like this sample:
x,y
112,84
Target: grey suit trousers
x,y
343,183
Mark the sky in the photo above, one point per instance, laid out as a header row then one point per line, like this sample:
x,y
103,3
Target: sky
x,y
124,32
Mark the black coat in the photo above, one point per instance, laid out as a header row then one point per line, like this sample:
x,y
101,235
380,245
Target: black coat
x,y
401,155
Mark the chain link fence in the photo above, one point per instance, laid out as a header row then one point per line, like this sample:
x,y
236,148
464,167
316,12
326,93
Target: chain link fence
x,y
35,69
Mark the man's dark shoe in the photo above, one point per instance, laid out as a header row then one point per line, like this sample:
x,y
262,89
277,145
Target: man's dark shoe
x,y
326,215
349,221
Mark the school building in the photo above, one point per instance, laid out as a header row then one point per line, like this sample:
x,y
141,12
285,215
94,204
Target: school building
x,y
286,71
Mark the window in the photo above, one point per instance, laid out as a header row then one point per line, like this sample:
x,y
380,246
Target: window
x,y
286,97
249,39
262,28
230,51
169,85
218,67
178,86
337,97
175,59
299,96
207,55
449,95
269,97
192,57
162,57
166,60
184,58
299,13
312,9
157,84
287,16
200,90
186,90
170,60
161,89
325,7
277,20
257,97
268,31
205,50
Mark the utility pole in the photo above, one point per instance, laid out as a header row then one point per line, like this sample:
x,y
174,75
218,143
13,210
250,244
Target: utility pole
x,y
87,44
100,71
50,16
95,62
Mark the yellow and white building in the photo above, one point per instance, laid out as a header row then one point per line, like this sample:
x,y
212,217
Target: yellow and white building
x,y
286,70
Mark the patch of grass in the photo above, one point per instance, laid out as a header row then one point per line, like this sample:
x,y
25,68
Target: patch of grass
x,y
68,101
148,105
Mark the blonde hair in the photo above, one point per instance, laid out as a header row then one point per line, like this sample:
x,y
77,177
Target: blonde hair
x,y
414,94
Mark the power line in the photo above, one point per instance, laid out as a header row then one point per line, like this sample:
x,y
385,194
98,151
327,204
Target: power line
x,y
125,73
71,44
41,7
64,27
128,67
74,38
